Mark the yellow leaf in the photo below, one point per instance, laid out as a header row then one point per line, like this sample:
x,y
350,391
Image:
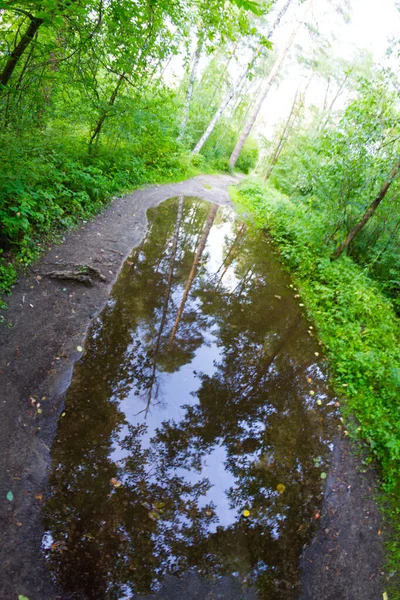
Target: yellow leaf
x,y
246,513
280,488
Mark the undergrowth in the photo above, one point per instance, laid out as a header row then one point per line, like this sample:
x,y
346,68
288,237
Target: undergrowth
x,y
46,188
359,330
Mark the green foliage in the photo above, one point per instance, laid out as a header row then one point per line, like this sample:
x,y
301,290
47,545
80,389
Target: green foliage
x,y
338,171
8,276
84,111
48,182
206,99
355,322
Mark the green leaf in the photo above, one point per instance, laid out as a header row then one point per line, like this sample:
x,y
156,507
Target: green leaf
x,y
250,5
10,496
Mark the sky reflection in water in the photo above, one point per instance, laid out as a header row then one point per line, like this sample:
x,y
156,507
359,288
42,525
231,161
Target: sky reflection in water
x,y
190,405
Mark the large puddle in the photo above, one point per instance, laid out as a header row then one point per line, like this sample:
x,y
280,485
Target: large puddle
x,y
197,425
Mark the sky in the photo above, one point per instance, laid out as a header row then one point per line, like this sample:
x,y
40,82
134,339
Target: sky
x,y
372,24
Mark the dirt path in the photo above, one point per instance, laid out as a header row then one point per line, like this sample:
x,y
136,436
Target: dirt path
x,y
50,318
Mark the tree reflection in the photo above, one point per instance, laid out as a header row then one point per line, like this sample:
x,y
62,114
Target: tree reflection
x,y
129,504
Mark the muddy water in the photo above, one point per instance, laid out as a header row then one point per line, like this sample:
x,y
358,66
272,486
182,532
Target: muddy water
x,y
188,460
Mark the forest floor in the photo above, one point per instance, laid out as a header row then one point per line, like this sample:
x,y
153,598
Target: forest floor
x,y
49,320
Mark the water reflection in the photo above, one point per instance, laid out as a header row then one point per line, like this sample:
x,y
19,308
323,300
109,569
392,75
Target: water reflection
x,y
190,405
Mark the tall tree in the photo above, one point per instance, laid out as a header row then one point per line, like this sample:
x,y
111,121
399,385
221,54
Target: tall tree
x,y
248,126
189,91
193,270
235,87
369,213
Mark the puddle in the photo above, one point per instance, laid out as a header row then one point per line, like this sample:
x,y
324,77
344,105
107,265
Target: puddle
x,y
188,461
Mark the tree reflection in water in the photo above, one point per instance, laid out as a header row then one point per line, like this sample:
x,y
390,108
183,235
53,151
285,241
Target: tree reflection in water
x,y
190,405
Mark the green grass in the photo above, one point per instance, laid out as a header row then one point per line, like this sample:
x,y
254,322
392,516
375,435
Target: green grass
x,y
359,331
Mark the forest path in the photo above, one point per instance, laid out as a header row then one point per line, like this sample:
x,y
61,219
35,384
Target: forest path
x,y
50,319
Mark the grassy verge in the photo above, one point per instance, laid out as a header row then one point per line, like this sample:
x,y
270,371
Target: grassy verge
x,y
45,191
360,333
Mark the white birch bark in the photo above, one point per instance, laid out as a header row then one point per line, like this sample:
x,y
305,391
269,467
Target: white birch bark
x,y
189,91
235,88
248,126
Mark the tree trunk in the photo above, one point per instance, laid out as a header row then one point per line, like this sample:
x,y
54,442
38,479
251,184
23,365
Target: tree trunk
x,y
189,91
97,130
369,213
248,126
235,88
282,140
20,48
231,255
336,96
167,296
214,121
193,270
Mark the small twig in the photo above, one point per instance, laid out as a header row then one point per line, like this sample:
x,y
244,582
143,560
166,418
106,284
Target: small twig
x,y
115,251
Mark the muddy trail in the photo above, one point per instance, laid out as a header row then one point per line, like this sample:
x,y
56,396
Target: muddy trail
x,y
167,427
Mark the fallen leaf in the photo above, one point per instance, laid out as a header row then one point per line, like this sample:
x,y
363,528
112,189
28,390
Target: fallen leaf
x,y
317,515
39,497
246,512
319,402
316,353
79,348
154,516
280,488
10,496
323,475
385,596
20,597
279,297
308,379
312,393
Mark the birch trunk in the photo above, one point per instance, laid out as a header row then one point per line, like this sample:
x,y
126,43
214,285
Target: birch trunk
x,y
248,126
282,139
167,296
234,89
193,270
189,91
